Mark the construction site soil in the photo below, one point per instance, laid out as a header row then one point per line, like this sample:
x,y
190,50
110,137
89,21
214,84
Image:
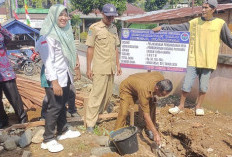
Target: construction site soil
x,y
183,135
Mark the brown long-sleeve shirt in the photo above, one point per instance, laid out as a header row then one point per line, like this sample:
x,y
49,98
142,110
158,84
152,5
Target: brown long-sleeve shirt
x,y
141,86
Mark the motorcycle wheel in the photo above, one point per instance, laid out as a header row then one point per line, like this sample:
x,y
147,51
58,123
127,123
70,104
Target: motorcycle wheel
x,y
29,69
38,68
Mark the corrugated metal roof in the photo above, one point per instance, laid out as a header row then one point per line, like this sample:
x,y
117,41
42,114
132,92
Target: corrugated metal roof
x,y
132,10
126,18
17,27
173,14
33,16
94,14
3,11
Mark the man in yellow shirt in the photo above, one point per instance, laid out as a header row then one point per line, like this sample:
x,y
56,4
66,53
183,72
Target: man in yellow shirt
x,y
102,42
143,87
205,35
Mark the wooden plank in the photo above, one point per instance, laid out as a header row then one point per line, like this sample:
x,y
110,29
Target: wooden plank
x,y
42,123
37,123
109,115
25,125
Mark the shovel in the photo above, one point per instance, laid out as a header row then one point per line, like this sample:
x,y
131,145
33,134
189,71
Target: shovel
x,y
158,150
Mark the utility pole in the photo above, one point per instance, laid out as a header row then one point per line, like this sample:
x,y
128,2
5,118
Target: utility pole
x,y
193,7
8,5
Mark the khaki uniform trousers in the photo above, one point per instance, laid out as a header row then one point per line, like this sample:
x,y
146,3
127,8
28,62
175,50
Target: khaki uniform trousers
x,y
126,100
99,97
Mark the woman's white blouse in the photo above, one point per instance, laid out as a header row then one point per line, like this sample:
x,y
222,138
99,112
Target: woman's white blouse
x,y
56,64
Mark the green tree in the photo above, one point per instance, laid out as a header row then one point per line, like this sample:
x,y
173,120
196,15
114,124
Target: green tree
x,y
198,2
56,1
173,3
53,2
20,3
139,3
37,3
131,1
75,21
86,6
45,3
151,5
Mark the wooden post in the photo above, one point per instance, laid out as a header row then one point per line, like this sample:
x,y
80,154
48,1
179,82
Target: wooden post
x,y
85,106
83,25
132,116
132,110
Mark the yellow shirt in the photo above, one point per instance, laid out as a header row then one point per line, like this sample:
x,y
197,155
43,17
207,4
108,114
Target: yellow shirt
x,y
141,86
204,42
104,40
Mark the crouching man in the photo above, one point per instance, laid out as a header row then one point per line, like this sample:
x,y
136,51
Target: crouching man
x,y
143,87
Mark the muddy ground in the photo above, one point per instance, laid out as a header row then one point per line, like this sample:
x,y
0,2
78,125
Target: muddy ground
x,y
183,135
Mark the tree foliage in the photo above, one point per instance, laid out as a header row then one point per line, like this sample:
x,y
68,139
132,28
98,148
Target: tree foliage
x,y
75,22
198,2
39,3
175,2
86,6
132,1
151,5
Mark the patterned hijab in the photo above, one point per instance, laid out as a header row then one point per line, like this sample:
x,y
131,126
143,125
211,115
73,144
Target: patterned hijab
x,y
64,35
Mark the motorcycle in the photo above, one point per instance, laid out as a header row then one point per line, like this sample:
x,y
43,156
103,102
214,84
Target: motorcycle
x,y
35,57
20,61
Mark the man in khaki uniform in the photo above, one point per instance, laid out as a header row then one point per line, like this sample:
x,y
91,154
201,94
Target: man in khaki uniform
x,y
102,42
143,87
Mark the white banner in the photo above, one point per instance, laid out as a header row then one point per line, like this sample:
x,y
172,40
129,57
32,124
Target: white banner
x,y
145,49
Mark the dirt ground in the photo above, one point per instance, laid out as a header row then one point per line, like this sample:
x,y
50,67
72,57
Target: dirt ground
x,y
183,135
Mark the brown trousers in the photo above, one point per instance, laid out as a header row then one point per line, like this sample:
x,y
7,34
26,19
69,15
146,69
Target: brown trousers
x,y
125,101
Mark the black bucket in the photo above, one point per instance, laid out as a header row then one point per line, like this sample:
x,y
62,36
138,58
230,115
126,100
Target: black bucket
x,y
125,140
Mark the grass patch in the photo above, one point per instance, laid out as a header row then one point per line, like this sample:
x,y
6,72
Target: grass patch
x,y
97,130
82,147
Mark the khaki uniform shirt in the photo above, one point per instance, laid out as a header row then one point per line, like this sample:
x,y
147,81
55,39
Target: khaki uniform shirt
x,y
141,86
104,40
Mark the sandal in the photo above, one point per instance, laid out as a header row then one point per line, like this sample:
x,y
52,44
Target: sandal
x,y
174,110
200,112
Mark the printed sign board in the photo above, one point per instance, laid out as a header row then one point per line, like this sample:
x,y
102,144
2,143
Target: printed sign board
x,y
162,51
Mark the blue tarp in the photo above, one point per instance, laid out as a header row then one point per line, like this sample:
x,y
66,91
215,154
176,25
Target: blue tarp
x,y
17,27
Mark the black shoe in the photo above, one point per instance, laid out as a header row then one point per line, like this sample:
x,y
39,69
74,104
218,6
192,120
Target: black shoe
x,y
75,114
68,115
90,130
3,123
23,120
149,134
